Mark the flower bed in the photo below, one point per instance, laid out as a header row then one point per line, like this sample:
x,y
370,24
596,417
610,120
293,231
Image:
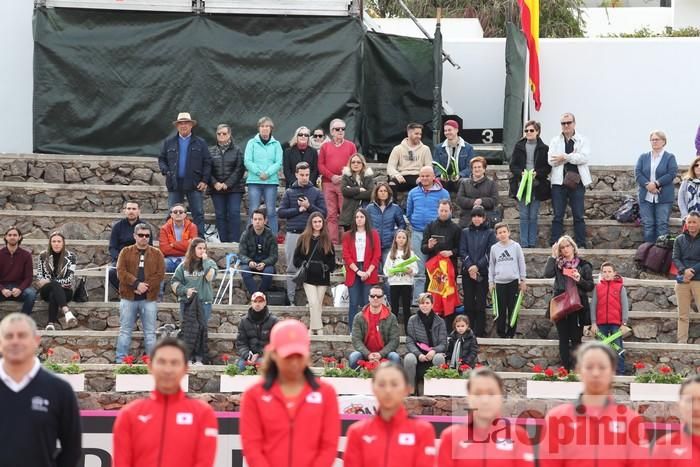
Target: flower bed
x,y
655,384
551,384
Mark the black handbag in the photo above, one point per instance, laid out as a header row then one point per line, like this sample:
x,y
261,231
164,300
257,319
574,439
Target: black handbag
x,y
80,295
299,276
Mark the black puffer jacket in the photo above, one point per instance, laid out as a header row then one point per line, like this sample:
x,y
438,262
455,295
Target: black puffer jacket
x,y
541,188
584,285
227,167
194,329
469,348
254,332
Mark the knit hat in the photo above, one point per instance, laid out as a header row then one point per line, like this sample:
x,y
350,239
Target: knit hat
x,y
453,124
478,211
289,337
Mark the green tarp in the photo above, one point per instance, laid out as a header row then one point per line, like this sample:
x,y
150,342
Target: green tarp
x,y
516,50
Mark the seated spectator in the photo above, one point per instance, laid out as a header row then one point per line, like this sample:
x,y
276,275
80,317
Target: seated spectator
x,y
318,137
426,341
689,191
478,190
258,254
686,257
406,159
16,271
122,235
462,346
175,237
254,331
55,276
300,150
298,203
227,184
655,172
375,331
357,185
141,269
452,157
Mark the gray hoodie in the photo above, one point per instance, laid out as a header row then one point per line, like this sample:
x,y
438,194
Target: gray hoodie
x,y
506,263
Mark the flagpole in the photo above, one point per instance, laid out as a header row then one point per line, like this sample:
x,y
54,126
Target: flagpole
x,y
526,100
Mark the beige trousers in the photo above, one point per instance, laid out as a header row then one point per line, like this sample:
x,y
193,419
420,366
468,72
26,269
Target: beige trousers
x,y
314,295
684,294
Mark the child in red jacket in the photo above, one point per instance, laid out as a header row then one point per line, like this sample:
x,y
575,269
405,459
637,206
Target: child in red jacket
x,y
391,438
682,448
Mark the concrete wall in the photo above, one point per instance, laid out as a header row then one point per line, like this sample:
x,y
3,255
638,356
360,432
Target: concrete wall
x,y
604,21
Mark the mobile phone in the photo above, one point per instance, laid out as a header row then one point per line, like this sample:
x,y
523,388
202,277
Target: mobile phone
x,y
439,238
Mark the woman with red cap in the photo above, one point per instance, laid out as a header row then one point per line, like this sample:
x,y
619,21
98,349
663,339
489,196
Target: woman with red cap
x,y
391,438
290,418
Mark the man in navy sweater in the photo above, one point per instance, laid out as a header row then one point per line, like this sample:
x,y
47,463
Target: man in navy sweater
x,y
122,236
37,408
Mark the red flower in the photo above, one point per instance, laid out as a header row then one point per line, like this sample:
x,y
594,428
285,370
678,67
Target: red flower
x,y
537,369
75,358
129,360
329,360
665,369
549,372
145,359
639,365
361,363
562,372
479,365
464,368
49,353
445,366
225,358
340,366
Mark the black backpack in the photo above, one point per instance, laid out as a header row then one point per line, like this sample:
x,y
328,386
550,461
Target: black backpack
x,y
628,212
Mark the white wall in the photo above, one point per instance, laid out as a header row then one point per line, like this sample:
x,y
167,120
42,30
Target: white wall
x,y
604,21
686,13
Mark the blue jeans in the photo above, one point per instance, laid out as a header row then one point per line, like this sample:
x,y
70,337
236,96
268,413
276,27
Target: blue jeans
x,y
608,329
654,219
256,191
206,307
242,361
227,207
419,281
196,204
358,294
357,356
249,281
561,196
528,223
129,311
27,297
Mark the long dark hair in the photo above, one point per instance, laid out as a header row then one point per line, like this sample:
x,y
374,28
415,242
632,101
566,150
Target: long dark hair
x,y
191,262
48,260
308,233
270,373
368,227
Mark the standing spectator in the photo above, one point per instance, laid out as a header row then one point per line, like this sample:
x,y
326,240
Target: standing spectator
x,y
314,247
686,258
38,408
300,150
175,237
122,235
357,186
332,158
375,332
610,308
531,154
564,265
167,428
452,157
227,184
318,137
55,277
421,209
462,347
298,203
426,341
654,173
16,271
400,282
290,417
689,191
258,254
263,160
568,156
474,249
141,269
407,158
477,190
361,255
507,275
254,331
185,162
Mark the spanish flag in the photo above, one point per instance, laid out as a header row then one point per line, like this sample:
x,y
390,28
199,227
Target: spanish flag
x,y
530,19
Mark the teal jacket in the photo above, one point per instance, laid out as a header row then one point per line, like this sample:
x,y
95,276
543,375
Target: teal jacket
x,y
261,158
183,280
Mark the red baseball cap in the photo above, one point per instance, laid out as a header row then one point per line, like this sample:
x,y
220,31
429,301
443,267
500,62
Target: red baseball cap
x,y
289,337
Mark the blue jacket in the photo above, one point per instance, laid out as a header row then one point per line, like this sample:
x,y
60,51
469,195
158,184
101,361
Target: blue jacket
x,y
198,163
289,208
475,247
261,158
686,254
440,156
665,173
386,222
422,206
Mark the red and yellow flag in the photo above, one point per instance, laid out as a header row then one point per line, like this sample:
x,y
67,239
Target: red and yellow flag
x,y
530,19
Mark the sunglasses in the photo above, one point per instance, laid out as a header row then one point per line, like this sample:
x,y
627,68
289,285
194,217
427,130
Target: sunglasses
x,y
177,212
530,130
567,123
303,135
340,128
318,136
375,296
143,235
222,133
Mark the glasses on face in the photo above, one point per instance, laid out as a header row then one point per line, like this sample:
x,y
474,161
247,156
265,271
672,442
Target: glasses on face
x,y
530,130
375,296
303,135
340,128
178,212
696,165
567,123
143,235
318,136
654,140
222,133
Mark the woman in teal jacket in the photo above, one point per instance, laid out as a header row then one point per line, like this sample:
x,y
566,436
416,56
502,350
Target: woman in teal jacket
x,y
263,160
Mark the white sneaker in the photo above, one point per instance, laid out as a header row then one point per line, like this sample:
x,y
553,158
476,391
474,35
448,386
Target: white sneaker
x,y
71,321
50,327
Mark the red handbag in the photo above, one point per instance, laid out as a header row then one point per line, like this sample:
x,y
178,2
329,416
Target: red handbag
x,y
565,303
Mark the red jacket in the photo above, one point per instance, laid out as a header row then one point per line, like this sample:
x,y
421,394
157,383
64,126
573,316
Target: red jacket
x,y
272,438
500,446
165,431
567,442
167,242
609,305
373,255
677,449
401,442
332,158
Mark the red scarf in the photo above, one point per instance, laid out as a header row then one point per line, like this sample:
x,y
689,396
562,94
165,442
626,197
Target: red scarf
x,y
373,340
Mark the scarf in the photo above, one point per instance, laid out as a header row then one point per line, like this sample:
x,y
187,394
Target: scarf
x,y
571,264
427,321
457,351
692,195
374,340
222,148
257,316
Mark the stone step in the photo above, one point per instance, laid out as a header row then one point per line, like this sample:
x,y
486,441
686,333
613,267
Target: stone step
x,y
499,354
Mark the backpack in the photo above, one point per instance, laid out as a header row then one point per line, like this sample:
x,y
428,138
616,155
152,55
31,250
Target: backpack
x,y
658,259
628,212
642,252
666,241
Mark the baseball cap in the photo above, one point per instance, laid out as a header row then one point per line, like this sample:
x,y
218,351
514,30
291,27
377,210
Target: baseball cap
x,y
478,211
258,296
289,337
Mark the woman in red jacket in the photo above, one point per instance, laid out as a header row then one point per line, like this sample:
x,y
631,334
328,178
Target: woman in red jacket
x,y
682,448
486,438
290,418
391,438
595,431
361,255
